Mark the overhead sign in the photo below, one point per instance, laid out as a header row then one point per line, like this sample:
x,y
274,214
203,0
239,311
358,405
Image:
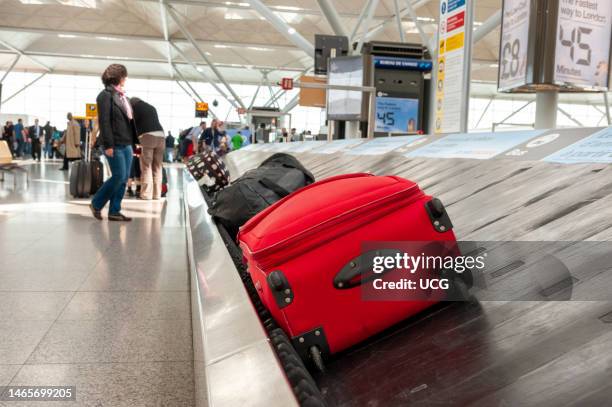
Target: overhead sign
x,y
91,111
201,109
402,64
287,83
594,149
514,44
452,82
582,51
312,97
383,145
479,146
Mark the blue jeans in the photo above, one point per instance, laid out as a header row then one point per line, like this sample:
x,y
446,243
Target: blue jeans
x,y
114,188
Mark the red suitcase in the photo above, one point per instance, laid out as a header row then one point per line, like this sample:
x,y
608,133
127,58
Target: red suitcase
x,y
296,249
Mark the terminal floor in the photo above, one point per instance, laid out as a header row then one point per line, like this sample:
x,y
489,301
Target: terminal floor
x,y
102,306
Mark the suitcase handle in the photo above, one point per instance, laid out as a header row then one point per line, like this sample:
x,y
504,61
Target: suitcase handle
x,y
257,218
359,270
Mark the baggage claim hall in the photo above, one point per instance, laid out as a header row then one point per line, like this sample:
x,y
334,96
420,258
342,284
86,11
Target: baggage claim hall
x,y
305,203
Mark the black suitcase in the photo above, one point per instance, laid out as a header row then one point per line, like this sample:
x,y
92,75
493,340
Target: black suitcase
x,y
97,175
80,179
275,178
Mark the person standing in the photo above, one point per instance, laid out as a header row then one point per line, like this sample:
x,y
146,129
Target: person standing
x,y
72,141
9,131
48,132
36,134
18,138
169,148
117,134
237,141
209,134
152,139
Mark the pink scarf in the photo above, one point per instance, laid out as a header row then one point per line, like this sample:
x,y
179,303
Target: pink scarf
x,y
126,102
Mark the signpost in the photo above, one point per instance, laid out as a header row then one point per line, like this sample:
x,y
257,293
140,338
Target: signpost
x,y
582,51
555,46
453,70
514,44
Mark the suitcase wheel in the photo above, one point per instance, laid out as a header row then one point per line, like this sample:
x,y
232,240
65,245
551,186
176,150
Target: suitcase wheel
x,y
317,358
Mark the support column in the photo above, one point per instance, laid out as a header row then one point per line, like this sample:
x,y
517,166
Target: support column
x,y
546,109
607,107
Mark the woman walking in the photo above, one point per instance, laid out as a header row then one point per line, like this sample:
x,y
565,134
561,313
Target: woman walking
x,y
117,133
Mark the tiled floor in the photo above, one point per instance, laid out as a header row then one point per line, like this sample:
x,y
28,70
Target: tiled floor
x,y
97,305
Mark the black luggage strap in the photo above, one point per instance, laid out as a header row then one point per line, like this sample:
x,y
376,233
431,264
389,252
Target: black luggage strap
x,y
278,190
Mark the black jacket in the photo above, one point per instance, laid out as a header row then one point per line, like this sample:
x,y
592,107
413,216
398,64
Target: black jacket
x,y
115,127
32,133
145,117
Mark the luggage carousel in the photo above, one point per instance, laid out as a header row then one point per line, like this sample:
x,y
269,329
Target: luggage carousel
x,y
506,350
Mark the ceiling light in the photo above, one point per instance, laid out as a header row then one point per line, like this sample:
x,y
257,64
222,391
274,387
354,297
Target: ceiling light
x,y
200,69
493,66
108,38
66,36
288,8
221,46
291,30
259,49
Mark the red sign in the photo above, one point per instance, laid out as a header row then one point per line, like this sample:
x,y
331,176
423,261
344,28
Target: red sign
x,y
287,84
241,110
456,21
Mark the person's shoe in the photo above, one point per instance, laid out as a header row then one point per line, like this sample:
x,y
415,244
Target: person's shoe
x,y
63,169
130,193
96,213
119,217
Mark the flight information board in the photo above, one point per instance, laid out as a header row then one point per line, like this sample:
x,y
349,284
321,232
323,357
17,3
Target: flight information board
x,y
514,44
582,51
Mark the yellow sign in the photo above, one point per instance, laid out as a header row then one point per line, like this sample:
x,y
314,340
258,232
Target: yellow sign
x,y
91,111
202,106
455,42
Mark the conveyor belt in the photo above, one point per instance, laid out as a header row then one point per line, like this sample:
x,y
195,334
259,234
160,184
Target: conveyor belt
x,y
497,352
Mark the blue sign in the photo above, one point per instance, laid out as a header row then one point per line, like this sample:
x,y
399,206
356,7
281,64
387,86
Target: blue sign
x,y
474,145
382,145
443,8
454,5
403,64
399,115
593,149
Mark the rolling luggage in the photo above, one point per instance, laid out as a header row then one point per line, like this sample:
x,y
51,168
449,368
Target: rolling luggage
x,y
301,251
209,170
97,176
275,178
86,176
80,179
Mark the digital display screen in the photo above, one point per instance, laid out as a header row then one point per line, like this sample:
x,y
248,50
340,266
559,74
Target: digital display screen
x,y
582,51
397,115
344,104
514,41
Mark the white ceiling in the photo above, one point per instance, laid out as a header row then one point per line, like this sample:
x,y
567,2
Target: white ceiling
x,y
83,37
